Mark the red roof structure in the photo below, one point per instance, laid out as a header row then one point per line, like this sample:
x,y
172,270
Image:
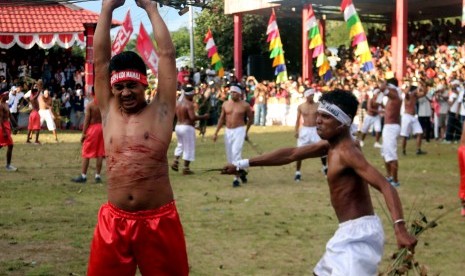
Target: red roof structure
x,y
44,25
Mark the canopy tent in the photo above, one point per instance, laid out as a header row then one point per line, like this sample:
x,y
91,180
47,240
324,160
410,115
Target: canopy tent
x,y
46,23
397,13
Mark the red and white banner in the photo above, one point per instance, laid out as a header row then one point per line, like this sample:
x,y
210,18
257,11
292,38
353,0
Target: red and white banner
x,y
147,50
123,35
44,41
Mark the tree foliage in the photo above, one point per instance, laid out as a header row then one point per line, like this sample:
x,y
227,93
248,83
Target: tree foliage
x,y
181,41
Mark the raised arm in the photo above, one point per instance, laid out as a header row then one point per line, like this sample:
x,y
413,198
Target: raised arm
x,y
166,93
102,53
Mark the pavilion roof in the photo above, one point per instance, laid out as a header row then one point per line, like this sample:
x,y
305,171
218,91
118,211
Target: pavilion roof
x,y
30,17
44,22
369,10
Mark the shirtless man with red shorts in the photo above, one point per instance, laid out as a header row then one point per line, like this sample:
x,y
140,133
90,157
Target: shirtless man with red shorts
x,y
5,131
34,117
92,143
139,226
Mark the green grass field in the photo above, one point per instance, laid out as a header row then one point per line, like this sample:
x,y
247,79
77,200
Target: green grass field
x,y
270,226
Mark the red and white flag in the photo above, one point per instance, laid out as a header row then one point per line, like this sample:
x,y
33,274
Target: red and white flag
x,y
123,35
147,50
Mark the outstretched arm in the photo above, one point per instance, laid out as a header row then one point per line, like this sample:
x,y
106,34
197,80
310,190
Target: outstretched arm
x,y
166,94
280,157
102,53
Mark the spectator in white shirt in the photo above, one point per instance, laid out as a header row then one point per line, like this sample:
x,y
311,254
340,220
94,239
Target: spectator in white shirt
x,y
14,98
454,127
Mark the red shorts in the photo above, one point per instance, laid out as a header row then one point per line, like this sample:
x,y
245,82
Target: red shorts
x,y
34,121
5,141
152,240
93,144
461,155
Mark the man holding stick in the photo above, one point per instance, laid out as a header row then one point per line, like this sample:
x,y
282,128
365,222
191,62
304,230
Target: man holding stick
x,y
232,115
139,227
391,129
357,246
185,130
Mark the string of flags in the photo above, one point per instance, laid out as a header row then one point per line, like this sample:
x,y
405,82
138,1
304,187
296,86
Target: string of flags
x,y
276,48
357,35
316,43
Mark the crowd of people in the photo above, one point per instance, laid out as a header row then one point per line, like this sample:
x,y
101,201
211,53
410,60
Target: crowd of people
x,y
429,103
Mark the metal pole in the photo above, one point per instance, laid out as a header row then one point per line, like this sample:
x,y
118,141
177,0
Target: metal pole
x,y
191,34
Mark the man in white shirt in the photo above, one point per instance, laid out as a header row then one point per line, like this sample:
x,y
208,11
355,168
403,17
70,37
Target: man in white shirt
x,y
454,128
14,99
211,74
424,115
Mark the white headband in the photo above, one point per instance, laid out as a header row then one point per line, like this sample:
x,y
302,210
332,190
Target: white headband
x,y
392,86
236,89
309,92
335,111
188,91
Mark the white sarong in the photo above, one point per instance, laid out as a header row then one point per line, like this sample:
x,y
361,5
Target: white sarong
x,y
369,121
355,249
389,149
307,136
46,115
234,141
410,125
186,142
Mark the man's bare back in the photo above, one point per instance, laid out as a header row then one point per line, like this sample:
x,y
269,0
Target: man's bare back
x,y
185,113
94,113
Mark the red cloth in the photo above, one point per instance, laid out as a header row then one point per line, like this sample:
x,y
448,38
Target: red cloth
x,y
152,240
5,141
34,120
93,145
461,155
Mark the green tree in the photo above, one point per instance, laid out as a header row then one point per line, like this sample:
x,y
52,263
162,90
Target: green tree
x,y
181,41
